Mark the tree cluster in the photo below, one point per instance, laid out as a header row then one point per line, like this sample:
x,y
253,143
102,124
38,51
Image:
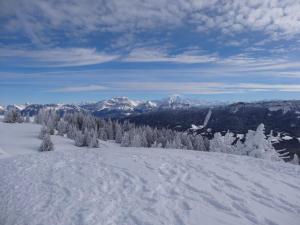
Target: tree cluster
x,y
86,130
256,144
13,116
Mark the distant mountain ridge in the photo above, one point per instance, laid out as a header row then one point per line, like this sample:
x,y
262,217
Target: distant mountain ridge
x,y
114,107
123,106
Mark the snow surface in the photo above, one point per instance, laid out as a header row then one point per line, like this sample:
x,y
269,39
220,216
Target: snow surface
x,y
114,185
286,137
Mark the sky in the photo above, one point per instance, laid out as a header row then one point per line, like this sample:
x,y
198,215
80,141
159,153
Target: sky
x,y
88,50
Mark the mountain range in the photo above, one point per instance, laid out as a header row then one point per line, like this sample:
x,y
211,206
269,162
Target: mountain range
x,y
279,116
114,107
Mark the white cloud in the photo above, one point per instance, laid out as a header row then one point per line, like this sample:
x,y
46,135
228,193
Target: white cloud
x,y
204,87
161,55
88,88
56,57
77,17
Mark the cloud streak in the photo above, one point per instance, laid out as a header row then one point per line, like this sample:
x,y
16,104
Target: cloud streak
x,y
160,55
198,88
205,87
56,57
88,88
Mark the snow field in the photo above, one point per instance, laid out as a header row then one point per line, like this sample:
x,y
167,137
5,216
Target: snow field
x,y
115,185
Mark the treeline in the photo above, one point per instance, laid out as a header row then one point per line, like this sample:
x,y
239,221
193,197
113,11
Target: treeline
x,y
86,129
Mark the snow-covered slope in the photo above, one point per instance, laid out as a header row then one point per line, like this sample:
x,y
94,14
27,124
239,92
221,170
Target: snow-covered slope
x,y
18,139
114,185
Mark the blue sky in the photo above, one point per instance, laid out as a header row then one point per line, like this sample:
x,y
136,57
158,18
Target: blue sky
x,y
87,50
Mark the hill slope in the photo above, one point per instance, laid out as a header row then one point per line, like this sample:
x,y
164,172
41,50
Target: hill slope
x,y
115,185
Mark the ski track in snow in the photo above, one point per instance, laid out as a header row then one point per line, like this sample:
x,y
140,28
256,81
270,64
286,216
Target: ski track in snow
x,y
131,186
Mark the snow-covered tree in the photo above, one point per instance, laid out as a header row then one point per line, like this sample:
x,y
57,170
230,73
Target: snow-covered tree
x,y
119,133
71,133
102,134
43,132
46,144
198,143
109,130
93,142
258,146
189,144
126,140
62,127
222,143
51,125
216,143
27,118
136,141
295,160
79,139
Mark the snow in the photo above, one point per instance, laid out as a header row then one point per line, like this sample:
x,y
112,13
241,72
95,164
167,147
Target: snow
x,y
115,185
207,118
18,139
195,127
240,136
286,137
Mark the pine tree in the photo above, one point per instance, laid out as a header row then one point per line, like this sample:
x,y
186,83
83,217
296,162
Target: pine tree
x,y
43,132
295,160
62,127
198,143
46,144
71,133
86,137
119,134
79,139
258,146
93,143
126,140
136,142
216,143
109,130
51,125
144,141
27,118
102,134
189,144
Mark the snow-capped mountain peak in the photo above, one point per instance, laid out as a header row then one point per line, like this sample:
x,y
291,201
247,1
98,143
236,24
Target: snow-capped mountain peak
x,y
117,103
